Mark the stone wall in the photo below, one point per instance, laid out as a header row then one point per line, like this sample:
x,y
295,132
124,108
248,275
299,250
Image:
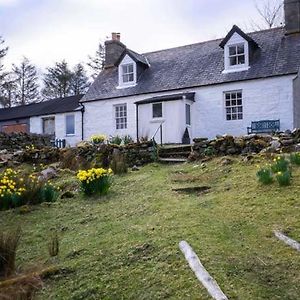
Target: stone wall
x,y
18,141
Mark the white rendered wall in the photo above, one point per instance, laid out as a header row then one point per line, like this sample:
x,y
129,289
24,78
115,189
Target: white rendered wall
x,y
270,98
36,126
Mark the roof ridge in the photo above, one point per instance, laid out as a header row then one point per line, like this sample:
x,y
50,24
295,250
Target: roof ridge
x,y
209,41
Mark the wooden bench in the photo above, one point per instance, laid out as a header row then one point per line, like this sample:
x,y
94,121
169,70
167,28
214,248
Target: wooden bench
x,y
264,126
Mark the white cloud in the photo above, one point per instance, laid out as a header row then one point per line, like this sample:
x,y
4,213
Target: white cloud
x,y
8,2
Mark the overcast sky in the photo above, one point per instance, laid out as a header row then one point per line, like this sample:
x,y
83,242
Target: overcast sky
x,y
51,30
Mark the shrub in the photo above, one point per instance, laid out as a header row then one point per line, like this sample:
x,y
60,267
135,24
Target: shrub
x,y
295,158
128,140
280,165
95,181
115,140
118,163
16,191
53,246
283,178
98,138
8,247
209,151
265,176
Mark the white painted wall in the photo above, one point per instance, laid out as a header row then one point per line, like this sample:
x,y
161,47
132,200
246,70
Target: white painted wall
x,y
36,126
270,98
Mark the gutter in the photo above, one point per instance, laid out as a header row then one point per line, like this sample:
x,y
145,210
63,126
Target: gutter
x,y
82,123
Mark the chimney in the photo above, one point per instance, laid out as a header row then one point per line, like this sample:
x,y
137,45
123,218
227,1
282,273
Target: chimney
x,y
113,50
292,16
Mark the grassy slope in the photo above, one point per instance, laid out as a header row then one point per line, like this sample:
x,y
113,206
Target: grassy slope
x,y
128,241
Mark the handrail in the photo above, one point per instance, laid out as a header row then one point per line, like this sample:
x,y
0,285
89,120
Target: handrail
x,y
159,128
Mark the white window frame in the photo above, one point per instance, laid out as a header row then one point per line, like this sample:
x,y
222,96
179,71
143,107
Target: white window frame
x,y
122,123
66,117
232,104
162,111
47,118
125,62
235,41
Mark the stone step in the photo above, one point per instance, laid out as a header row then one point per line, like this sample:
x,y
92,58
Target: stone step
x,y
172,160
175,154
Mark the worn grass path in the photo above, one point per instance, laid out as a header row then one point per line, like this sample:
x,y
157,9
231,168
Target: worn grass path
x,y
125,246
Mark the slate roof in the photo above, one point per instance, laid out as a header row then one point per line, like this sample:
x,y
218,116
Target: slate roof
x,y
53,106
202,64
164,98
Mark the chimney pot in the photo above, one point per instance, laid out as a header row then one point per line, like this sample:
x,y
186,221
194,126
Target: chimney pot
x,y
116,36
292,16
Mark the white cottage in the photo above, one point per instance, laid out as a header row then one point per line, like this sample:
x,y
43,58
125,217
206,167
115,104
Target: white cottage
x,y
200,90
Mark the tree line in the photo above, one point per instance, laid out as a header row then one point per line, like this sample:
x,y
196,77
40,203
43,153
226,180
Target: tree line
x,y
22,85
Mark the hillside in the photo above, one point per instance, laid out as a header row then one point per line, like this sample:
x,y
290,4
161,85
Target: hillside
x,y
125,245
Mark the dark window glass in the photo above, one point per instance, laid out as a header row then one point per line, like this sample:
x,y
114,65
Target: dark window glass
x,y
157,110
188,114
70,124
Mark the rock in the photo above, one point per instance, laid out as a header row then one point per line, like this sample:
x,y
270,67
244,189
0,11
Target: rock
x,y
67,195
287,142
297,148
275,145
231,151
24,209
135,168
47,174
226,161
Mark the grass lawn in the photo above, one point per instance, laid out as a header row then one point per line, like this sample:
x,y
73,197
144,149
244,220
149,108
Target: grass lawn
x,y
125,245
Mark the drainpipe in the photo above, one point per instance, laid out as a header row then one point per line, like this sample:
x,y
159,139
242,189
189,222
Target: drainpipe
x,y
137,122
82,123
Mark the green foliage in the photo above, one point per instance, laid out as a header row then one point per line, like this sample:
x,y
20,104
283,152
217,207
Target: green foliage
x,y
8,247
127,139
16,190
281,164
209,151
95,181
265,176
283,178
295,158
115,140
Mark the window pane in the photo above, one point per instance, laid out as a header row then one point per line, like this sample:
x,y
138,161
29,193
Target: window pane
x,y
232,50
120,115
188,114
240,49
233,61
233,107
157,110
241,60
70,124
227,103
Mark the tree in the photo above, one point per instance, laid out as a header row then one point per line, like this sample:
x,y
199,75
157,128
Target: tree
x,y
79,82
57,81
8,89
96,62
3,74
26,82
271,14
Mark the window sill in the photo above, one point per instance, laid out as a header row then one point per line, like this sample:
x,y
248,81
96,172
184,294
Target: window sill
x,y
126,86
157,120
70,135
237,69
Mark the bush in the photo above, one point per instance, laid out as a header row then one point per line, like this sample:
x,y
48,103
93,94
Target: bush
x,y
128,140
265,176
98,138
16,191
280,165
115,140
95,181
8,247
283,178
295,158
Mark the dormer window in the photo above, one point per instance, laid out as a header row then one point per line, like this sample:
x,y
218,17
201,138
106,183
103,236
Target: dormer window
x,y
127,73
237,55
238,47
